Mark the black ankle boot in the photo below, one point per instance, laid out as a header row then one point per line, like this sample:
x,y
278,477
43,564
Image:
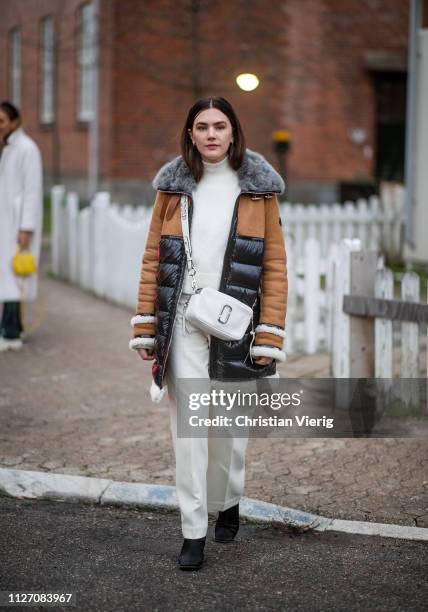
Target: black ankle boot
x,y
192,554
227,525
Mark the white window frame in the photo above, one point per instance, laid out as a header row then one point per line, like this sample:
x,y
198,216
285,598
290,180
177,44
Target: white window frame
x,y
86,62
15,66
47,69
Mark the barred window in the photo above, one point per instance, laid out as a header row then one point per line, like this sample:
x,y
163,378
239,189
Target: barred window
x,y
15,66
86,60
47,106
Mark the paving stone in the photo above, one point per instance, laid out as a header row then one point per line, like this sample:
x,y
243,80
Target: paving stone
x,y
51,465
11,461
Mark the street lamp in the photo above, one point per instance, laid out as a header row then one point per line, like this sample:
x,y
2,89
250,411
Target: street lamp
x,y
247,81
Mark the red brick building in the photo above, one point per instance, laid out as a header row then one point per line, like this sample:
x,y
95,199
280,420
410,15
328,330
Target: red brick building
x,y
332,73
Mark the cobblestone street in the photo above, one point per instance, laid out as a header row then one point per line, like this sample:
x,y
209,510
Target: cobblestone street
x,y
75,400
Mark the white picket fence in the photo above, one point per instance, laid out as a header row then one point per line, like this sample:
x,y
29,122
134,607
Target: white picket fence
x,y
100,247
378,222
378,347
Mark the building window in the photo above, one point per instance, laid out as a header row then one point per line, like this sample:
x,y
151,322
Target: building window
x,y
15,66
86,60
390,90
425,14
47,106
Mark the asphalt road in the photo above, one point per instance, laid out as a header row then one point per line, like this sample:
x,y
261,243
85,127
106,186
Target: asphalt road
x,y
126,559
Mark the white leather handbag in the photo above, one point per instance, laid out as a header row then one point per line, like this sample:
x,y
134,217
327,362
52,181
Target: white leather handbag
x,y
212,311
218,314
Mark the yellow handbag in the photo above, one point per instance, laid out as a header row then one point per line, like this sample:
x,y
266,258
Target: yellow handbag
x,y
24,263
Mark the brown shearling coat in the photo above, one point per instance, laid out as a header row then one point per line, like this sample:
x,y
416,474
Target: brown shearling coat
x,y
253,220
256,232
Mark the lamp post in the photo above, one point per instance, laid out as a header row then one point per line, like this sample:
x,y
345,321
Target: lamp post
x,y
281,143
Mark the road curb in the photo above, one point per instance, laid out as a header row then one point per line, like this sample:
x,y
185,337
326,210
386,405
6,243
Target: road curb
x,y
26,484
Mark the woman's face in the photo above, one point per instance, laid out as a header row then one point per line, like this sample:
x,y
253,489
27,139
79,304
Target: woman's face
x,y
212,134
7,125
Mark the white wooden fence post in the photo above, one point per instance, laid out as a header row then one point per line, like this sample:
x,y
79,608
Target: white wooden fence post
x,y
72,210
384,289
298,232
85,247
363,274
375,230
100,206
291,318
341,356
409,365
330,284
384,363
336,224
311,294
57,197
324,212
409,330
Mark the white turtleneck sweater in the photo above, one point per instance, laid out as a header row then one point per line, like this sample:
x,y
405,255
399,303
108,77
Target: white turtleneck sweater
x,y
213,202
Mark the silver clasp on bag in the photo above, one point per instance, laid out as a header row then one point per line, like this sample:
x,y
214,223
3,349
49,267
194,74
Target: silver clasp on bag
x,y
227,315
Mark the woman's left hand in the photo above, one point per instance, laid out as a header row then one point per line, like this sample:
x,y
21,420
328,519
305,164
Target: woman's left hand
x,y
263,360
24,238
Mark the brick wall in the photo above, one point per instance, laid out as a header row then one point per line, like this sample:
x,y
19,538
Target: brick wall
x,y
63,144
157,56
329,89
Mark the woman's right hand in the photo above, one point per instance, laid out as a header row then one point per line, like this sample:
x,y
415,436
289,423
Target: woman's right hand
x,y
146,354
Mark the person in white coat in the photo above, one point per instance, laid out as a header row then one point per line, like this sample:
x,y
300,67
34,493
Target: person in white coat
x,y
21,212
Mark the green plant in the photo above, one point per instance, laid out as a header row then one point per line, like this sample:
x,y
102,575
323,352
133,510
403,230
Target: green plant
x,y
47,214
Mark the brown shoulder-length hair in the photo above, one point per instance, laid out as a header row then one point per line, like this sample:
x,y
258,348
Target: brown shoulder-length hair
x,y
190,153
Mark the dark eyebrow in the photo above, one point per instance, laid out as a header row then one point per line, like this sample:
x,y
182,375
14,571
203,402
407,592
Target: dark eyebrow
x,y
204,122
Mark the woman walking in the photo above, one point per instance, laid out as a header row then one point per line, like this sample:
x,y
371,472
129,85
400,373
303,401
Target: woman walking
x,y
237,248
21,202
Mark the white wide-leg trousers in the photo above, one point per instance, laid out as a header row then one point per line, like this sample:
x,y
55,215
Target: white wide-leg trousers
x,y
210,471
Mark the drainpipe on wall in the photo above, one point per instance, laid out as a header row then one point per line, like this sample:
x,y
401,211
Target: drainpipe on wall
x,y
414,25
93,140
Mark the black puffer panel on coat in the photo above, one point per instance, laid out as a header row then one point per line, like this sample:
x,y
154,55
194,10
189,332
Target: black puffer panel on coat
x,y
170,278
241,279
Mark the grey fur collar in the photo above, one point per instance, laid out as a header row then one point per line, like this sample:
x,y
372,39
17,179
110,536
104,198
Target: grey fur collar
x,y
255,175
